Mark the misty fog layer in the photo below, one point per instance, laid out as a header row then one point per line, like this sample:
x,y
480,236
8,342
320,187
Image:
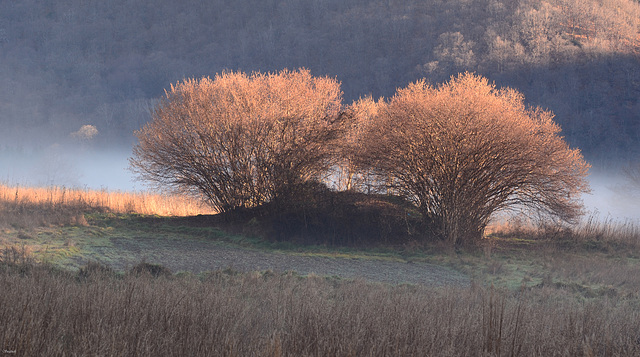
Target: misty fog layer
x,y
613,197
71,167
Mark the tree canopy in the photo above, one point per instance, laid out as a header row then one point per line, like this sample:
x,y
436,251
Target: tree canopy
x,y
465,150
461,151
241,140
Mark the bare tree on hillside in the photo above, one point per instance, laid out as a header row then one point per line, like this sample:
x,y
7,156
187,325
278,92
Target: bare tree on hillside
x,y
465,149
241,140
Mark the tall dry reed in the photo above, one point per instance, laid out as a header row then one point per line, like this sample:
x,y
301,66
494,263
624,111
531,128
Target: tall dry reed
x,y
33,206
47,312
592,228
608,230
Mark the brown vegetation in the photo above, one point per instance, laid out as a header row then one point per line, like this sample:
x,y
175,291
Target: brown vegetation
x,y
592,230
588,305
240,140
318,215
350,175
32,206
465,150
49,312
462,151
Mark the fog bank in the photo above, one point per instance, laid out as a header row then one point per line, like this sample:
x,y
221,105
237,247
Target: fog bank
x,y
69,166
76,166
613,196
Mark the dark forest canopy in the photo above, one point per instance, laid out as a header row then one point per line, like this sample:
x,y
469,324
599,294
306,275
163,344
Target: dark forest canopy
x,y
67,63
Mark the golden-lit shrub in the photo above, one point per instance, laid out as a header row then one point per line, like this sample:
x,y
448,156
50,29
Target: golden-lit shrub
x,y
241,140
466,149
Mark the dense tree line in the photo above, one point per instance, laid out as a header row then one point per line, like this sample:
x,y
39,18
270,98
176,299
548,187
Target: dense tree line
x,y
70,63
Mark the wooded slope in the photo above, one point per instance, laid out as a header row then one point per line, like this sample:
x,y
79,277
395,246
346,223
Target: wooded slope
x,y
67,63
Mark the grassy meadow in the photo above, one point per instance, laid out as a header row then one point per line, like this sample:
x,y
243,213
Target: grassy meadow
x,y
37,206
535,290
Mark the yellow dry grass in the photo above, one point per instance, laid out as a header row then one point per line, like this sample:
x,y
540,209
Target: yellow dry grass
x,y
114,201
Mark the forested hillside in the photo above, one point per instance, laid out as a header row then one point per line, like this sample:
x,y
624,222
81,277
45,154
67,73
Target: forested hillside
x,y
67,63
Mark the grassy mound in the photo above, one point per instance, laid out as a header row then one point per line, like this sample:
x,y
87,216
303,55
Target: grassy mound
x,y
317,215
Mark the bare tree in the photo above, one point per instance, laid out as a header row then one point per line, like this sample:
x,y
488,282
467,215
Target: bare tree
x,y
465,150
241,140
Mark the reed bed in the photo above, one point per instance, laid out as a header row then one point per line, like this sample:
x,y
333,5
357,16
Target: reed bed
x,y
35,206
95,312
608,230
592,228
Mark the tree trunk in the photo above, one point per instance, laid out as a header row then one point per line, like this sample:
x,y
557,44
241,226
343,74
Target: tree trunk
x,y
460,228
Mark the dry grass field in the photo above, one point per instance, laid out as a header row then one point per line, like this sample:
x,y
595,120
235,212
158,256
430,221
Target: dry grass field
x,y
535,291
38,206
96,312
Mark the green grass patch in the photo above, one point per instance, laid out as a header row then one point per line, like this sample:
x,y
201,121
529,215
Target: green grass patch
x,y
588,269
